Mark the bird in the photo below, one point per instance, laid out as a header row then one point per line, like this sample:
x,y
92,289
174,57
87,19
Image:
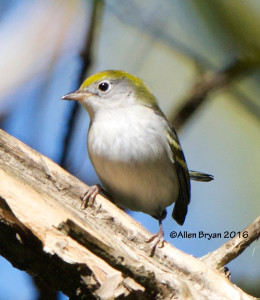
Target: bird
x,y
134,149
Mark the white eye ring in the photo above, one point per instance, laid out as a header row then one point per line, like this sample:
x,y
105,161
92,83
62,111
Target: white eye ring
x,y
104,86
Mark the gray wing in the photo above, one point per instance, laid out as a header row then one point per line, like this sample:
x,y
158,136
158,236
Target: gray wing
x,y
181,205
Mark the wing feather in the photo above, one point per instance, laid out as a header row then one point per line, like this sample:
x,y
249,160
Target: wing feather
x,y
181,205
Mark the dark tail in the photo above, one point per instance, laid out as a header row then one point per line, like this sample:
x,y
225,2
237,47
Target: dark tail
x,y
179,211
198,176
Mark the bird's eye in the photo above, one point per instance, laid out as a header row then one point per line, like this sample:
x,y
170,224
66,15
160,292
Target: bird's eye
x,y
103,86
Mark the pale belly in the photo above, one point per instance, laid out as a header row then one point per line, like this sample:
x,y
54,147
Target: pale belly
x,y
148,188
134,164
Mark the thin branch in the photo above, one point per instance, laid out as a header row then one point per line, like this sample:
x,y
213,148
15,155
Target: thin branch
x,y
248,104
233,248
86,56
199,92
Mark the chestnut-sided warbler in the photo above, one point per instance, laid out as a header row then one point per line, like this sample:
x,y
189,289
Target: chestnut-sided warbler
x,y
133,147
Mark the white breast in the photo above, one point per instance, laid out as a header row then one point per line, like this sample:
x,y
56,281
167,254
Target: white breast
x,y
130,155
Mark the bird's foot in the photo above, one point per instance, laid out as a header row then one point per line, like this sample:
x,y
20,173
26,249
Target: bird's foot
x,y
90,195
156,240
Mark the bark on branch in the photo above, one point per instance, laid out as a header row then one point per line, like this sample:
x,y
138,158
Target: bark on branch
x,y
96,253
233,248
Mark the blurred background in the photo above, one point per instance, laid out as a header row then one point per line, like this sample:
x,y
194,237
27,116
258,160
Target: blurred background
x,y
200,58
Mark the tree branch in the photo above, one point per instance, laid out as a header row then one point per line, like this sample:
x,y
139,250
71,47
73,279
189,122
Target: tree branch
x,y
233,248
210,83
98,252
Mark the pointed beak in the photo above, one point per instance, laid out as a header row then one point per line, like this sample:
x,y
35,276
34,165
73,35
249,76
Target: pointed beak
x,y
76,96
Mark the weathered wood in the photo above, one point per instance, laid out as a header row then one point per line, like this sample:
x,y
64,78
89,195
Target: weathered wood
x,y
218,258
95,253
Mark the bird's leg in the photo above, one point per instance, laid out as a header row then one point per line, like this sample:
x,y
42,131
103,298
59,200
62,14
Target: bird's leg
x,y
90,195
157,239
